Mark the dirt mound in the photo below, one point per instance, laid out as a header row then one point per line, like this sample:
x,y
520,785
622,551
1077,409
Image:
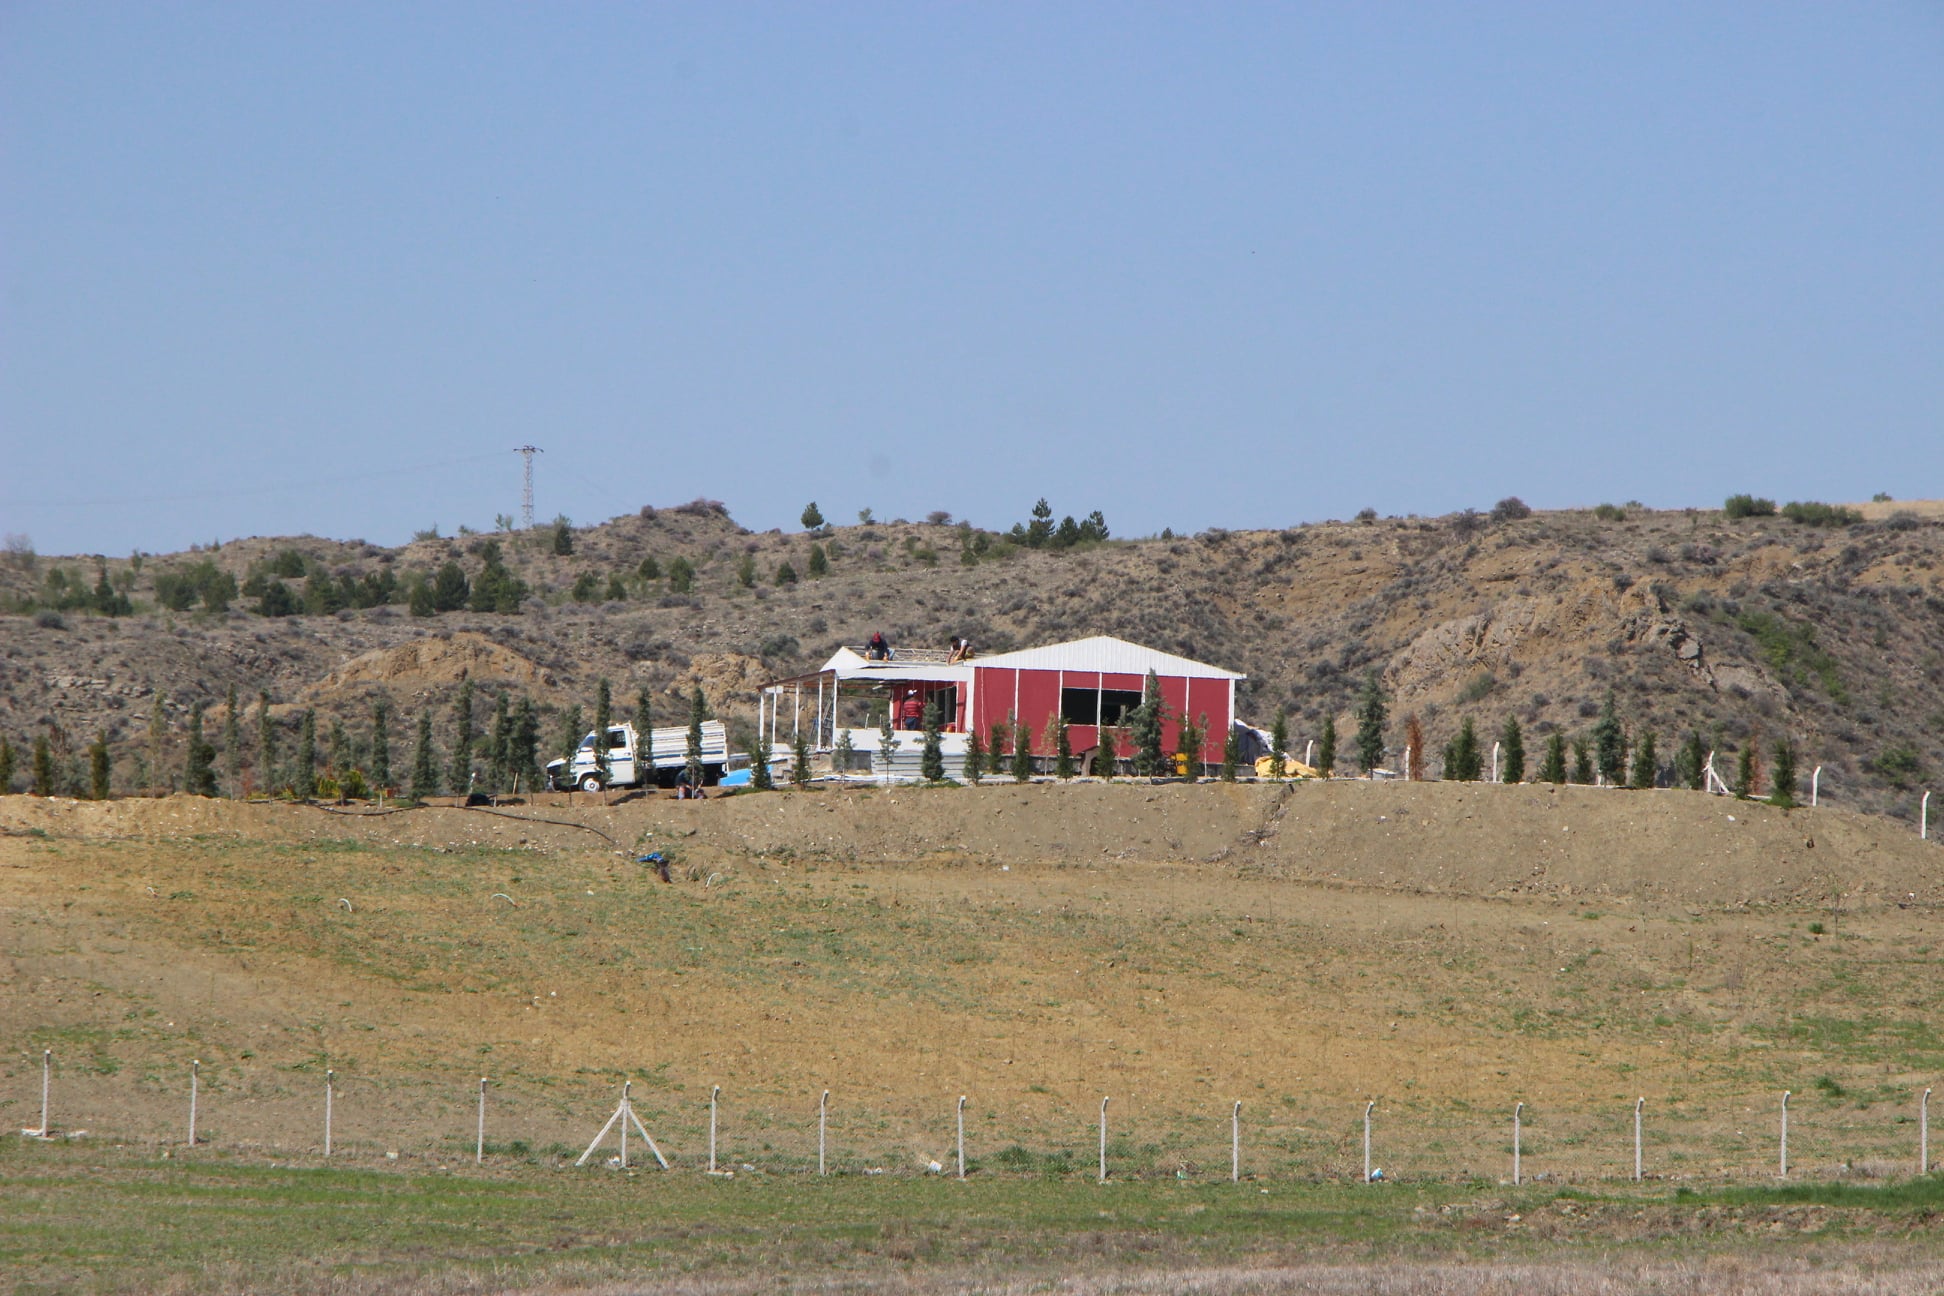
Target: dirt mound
x,y
424,663
1661,849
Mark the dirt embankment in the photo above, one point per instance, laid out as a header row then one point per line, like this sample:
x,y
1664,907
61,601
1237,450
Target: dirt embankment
x,y
1659,848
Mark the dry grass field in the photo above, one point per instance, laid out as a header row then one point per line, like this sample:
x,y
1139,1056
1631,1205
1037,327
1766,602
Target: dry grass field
x,y
1443,950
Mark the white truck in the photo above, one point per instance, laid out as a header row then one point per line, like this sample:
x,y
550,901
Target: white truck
x,y
668,754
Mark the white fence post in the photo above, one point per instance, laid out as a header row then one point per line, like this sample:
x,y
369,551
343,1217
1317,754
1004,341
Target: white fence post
x,y
1495,752
195,1077
1235,1143
1516,1168
1923,1134
1923,825
823,1117
479,1147
1368,1108
715,1091
1638,1104
961,1136
47,1069
330,1086
1815,786
1785,1135
1103,1139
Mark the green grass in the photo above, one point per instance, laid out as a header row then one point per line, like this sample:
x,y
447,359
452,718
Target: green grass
x,y
108,1219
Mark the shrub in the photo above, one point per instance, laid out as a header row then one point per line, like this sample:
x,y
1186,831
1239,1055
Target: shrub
x,y
681,575
1512,740
785,573
1816,514
1782,778
1610,513
1325,748
587,587
1743,506
1610,743
1461,758
1646,764
1554,769
563,537
1510,509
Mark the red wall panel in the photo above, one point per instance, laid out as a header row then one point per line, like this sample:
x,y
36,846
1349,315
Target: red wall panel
x,y
1039,701
1210,697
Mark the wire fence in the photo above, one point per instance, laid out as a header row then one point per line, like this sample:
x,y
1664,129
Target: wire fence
x,y
787,1130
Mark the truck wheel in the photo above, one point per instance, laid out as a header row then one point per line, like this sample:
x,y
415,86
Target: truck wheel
x,y
592,783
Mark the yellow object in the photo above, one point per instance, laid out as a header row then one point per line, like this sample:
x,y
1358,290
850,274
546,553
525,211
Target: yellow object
x,y
1265,767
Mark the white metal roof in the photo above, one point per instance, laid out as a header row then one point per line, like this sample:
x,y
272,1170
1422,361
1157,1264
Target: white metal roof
x,y
849,664
1108,654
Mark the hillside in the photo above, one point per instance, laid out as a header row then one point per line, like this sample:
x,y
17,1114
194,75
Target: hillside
x,y
1747,629
1302,947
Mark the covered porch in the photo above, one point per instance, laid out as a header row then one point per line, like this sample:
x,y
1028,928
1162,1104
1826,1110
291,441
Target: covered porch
x,y
850,693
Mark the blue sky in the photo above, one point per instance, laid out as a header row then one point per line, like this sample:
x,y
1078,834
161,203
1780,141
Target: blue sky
x,y
270,269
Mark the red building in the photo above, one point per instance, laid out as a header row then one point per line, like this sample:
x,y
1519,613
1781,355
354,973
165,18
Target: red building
x,y
1093,683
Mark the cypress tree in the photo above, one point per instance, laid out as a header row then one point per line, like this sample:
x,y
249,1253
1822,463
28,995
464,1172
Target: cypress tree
x,y
572,730
1107,759
1782,779
339,759
43,767
381,774
1370,725
819,561
1610,743
760,776
887,742
232,747
1646,764
996,747
974,758
1554,770
526,745
1062,746
199,779
6,766
1022,759
1461,758
1691,763
425,768
698,712
1149,759
499,749
1231,753
305,781
1279,744
266,744
1582,761
843,754
931,763
100,772
603,721
800,759
1512,741
1326,747
1188,747
462,739
644,724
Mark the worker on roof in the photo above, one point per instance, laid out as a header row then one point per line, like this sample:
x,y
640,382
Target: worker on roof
x,y
878,649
